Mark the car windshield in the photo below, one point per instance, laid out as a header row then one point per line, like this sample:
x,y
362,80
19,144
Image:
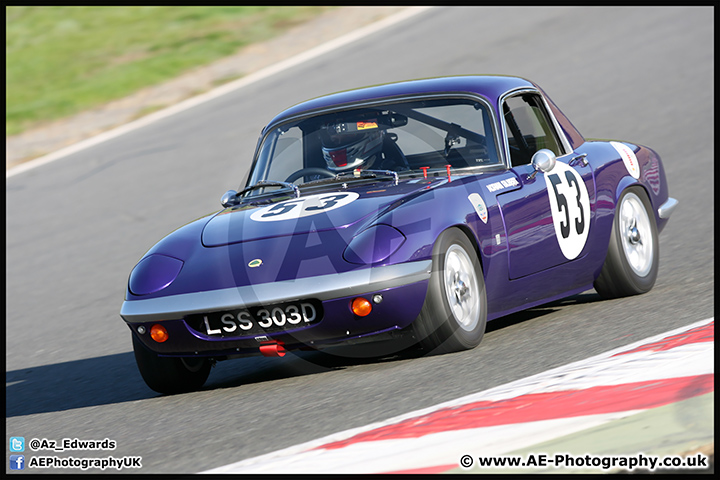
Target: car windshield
x,y
410,137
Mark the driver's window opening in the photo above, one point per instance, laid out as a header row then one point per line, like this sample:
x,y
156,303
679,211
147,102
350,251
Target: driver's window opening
x,y
416,138
528,128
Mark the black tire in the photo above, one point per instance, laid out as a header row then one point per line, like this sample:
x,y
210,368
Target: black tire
x,y
170,374
454,314
631,264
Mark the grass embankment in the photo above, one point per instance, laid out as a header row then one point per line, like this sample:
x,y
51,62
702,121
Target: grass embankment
x,y
63,60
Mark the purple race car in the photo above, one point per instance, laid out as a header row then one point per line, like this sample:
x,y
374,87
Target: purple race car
x,y
419,209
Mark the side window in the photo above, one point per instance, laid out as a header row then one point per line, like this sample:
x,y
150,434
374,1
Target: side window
x,y
528,128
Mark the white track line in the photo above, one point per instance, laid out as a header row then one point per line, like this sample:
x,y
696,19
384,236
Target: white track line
x,y
222,90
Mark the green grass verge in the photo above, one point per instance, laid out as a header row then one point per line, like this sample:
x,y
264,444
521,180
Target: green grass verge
x,y
63,60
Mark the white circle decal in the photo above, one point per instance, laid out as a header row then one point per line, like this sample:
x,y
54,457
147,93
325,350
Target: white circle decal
x,y
570,207
628,158
303,207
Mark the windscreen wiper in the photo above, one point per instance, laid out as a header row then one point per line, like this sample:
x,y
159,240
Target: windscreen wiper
x,y
232,197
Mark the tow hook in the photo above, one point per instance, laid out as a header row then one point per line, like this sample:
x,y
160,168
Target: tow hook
x,y
273,349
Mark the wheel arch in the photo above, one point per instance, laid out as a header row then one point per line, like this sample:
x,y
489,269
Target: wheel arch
x,y
472,238
464,228
628,182
604,228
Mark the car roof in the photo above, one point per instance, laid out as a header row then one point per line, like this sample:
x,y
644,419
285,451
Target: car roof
x,y
492,87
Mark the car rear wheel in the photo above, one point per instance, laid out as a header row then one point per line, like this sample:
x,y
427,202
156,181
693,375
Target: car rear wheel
x,y
631,264
170,374
455,311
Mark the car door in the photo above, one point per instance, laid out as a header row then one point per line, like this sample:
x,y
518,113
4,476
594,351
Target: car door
x,y
548,219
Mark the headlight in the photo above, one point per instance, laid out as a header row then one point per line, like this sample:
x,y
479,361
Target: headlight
x,y
374,245
153,273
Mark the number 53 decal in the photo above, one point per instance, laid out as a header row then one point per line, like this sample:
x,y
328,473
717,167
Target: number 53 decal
x,y
303,207
570,207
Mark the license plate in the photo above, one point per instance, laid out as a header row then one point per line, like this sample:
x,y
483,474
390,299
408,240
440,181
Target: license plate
x,y
258,320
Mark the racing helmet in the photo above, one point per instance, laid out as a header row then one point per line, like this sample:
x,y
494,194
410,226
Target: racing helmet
x,y
350,145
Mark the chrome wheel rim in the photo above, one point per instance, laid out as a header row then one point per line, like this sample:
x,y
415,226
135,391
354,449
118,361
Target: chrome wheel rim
x,y
461,288
636,234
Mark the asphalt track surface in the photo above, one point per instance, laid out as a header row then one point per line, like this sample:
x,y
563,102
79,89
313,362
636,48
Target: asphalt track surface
x,y
77,226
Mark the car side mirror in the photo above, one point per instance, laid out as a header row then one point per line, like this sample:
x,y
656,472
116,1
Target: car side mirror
x,y
542,161
229,198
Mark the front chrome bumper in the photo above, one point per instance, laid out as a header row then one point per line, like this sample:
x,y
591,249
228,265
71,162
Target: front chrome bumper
x,y
667,208
324,287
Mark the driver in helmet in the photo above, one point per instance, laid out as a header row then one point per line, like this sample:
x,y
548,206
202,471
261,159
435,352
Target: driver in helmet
x,y
349,146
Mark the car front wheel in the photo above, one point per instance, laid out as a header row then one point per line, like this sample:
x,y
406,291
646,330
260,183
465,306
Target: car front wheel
x,y
170,374
454,314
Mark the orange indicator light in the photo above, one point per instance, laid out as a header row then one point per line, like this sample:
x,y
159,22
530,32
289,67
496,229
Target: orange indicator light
x,y
361,307
158,333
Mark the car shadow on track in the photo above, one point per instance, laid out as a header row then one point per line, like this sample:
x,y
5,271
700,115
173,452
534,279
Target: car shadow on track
x,y
115,379
254,370
251,370
546,309
77,384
